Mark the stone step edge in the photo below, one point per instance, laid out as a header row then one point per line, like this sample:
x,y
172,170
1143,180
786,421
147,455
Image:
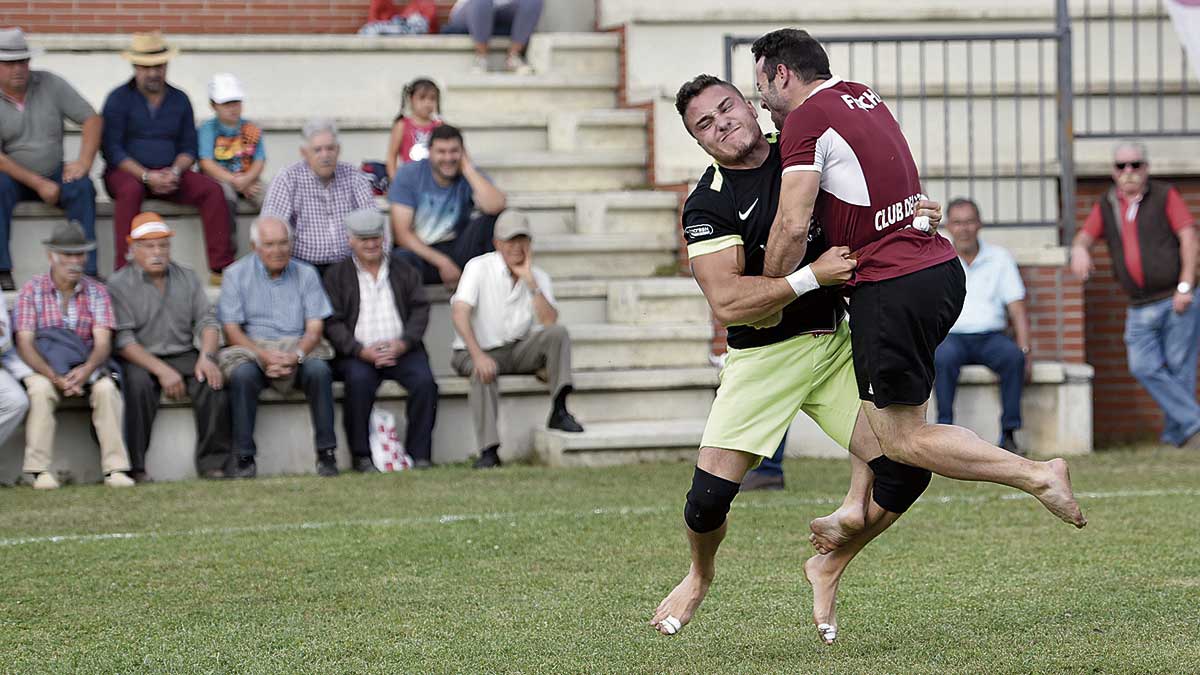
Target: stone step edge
x,y
94,42
626,435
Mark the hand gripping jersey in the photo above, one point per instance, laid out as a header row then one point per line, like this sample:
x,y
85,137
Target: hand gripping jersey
x,y
869,182
736,207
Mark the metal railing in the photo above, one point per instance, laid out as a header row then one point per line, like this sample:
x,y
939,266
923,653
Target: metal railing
x,y
993,115
1135,79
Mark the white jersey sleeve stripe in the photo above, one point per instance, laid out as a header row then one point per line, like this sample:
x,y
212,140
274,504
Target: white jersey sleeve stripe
x,y
803,167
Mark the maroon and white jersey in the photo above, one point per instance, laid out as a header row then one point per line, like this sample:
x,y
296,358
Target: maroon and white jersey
x,y
869,182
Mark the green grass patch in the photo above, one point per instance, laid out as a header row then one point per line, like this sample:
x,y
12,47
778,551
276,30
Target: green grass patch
x,y
534,570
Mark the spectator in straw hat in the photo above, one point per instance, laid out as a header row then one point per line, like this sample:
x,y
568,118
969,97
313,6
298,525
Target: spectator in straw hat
x,y
64,325
33,105
162,311
506,319
149,148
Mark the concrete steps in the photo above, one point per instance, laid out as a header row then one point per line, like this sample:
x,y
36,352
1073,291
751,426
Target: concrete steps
x,y
284,433
612,443
343,75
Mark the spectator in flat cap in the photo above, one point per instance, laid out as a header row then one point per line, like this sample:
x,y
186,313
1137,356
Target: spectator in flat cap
x,y
162,312
149,149
232,150
378,321
314,196
273,310
64,326
33,105
506,319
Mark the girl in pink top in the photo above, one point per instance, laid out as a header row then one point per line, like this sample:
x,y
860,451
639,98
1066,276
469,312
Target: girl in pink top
x,y
414,124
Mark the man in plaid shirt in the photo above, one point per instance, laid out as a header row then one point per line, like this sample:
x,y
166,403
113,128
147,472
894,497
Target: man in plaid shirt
x,y
315,195
54,310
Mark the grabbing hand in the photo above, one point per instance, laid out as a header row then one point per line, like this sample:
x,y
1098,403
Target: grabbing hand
x,y
834,267
928,208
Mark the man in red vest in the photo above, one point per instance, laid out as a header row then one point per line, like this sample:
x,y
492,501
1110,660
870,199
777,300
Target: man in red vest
x,y
1152,238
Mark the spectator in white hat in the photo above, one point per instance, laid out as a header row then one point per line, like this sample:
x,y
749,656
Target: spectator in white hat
x,y
231,148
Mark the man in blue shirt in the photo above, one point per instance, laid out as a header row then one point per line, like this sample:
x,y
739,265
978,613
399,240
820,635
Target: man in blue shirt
x,y
149,146
273,310
995,294
431,210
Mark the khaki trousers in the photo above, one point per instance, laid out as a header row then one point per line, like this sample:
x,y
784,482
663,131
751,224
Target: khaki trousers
x,y
549,348
107,411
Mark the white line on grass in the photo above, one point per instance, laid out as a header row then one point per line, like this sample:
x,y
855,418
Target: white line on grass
x,y
447,519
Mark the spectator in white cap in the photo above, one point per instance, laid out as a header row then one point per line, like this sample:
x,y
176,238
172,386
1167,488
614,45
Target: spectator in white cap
x,y
162,312
506,319
232,150
378,323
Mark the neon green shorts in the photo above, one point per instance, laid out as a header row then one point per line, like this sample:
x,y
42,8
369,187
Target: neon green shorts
x,y
763,388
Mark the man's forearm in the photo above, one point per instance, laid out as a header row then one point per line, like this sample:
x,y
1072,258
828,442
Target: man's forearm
x,y
210,341
309,340
89,143
19,173
744,300
460,315
543,310
131,166
786,246
1020,322
183,162
141,357
236,338
1189,243
487,197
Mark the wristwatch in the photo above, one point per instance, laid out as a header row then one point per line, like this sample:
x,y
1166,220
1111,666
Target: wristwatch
x,y
176,171
145,177
299,356
1184,287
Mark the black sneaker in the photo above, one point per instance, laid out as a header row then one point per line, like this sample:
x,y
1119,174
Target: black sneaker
x,y
490,459
564,421
244,468
1009,443
326,463
364,465
6,281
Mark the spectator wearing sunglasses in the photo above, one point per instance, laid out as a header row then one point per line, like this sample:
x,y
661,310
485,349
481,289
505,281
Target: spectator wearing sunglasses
x,y
1152,239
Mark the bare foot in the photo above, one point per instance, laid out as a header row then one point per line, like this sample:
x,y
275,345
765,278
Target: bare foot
x,y
1057,496
831,531
680,605
824,582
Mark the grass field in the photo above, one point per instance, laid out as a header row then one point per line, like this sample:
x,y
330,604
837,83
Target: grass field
x,y
528,569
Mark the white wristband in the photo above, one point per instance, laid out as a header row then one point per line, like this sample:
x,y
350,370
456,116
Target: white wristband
x,y
802,281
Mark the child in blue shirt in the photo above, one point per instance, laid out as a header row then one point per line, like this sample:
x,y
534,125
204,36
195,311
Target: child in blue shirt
x,y
231,148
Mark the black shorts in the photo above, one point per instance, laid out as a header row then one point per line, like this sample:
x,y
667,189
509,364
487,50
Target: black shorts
x,y
896,326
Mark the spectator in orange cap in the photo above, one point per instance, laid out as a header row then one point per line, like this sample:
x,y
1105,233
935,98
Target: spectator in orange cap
x,y
160,308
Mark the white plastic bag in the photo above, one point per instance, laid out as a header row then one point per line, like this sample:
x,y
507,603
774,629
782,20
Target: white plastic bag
x,y
387,452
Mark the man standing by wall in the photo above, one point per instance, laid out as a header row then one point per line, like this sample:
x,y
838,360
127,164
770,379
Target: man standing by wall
x,y
995,294
1152,238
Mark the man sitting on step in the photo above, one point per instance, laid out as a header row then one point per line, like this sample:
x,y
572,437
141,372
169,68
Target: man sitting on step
x,y
379,318
273,310
64,326
162,309
431,202
499,297
33,105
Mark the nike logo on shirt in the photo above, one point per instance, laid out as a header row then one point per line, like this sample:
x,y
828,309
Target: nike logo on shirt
x,y
746,215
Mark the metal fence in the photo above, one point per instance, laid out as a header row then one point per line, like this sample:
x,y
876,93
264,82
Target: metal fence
x,y
992,115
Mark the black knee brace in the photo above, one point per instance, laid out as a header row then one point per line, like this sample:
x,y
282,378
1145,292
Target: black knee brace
x,y
708,501
897,486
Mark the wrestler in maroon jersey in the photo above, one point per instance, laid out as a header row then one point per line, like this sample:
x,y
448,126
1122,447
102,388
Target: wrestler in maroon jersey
x,y
846,161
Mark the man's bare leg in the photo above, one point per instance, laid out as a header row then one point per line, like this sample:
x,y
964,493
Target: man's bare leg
x,y
831,531
824,571
955,452
682,602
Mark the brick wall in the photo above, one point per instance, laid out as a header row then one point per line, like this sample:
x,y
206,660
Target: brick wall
x,y
189,16
1122,411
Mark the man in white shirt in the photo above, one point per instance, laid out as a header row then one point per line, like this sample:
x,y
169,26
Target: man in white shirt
x,y
499,297
995,294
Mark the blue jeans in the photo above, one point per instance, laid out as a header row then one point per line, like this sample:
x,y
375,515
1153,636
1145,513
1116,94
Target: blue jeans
x,y
472,238
315,378
77,199
774,465
481,19
1162,346
999,353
